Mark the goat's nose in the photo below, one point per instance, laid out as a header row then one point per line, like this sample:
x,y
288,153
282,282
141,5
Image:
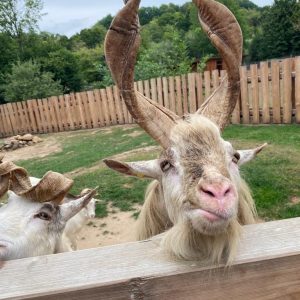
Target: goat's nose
x,y
219,191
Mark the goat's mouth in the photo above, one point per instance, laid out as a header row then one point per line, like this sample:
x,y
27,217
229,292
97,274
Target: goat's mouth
x,y
209,215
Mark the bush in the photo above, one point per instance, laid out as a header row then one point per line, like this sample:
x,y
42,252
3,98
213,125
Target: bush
x,y
26,81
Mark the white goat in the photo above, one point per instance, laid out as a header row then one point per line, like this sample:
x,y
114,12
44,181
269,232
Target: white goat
x,y
199,198
34,218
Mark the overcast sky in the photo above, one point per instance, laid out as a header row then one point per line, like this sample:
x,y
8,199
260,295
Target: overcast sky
x,y
70,16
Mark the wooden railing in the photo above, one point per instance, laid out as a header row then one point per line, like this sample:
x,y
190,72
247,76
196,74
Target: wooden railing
x,y
270,93
266,267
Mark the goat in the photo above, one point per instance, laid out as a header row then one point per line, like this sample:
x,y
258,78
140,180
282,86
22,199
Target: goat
x,y
34,218
76,223
198,198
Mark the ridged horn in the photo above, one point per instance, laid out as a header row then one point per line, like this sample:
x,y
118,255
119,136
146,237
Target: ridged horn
x,y
225,33
121,46
52,187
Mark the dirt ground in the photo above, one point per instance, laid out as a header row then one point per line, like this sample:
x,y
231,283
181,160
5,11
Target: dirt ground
x,y
117,228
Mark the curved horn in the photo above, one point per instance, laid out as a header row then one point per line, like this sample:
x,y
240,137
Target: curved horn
x,y
52,187
225,33
121,46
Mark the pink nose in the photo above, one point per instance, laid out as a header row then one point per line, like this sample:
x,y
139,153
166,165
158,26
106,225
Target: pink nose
x,y
221,194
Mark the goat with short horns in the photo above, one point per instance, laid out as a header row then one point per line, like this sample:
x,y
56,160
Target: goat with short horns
x,y
33,220
198,197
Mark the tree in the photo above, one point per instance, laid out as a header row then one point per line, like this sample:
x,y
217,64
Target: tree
x,y
65,67
280,31
18,17
26,81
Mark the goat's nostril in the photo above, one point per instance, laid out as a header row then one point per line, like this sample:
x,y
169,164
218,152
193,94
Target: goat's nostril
x,y
211,194
227,191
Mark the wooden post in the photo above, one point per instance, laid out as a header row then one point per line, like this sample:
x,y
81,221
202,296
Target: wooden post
x,y
276,91
244,95
287,91
265,89
266,267
192,93
255,94
297,85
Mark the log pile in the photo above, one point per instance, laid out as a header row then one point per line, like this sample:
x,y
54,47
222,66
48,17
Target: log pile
x,y
20,141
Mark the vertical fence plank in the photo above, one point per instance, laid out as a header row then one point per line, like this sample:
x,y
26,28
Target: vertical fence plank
x,y
62,112
255,94
207,84
88,114
111,105
192,92
118,104
297,85
99,107
184,94
160,91
9,125
92,109
54,122
42,116
287,91
179,109
265,91
4,121
105,107
215,79
12,118
166,92
57,113
147,89
33,121
75,112
276,103
199,85
26,115
67,100
2,125
153,89
172,96
244,95
16,117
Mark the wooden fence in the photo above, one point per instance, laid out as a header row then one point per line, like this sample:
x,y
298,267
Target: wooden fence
x,y
266,267
270,93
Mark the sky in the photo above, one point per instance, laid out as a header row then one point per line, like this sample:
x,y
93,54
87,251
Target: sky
x,y
68,17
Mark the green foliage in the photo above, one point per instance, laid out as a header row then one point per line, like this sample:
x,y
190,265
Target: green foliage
x,y
65,67
166,58
26,81
280,31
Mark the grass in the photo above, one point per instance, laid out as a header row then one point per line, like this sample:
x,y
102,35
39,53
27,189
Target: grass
x,y
274,176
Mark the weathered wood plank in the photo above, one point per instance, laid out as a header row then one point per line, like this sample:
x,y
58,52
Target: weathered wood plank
x,y
68,104
105,107
166,92
266,267
192,93
99,107
147,89
12,118
153,89
287,91
33,123
172,96
184,94
265,91
244,95
255,94
207,84
111,105
160,91
118,105
199,85
276,103
297,85
179,109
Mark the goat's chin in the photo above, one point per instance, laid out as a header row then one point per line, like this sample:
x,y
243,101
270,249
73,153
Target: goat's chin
x,y
208,225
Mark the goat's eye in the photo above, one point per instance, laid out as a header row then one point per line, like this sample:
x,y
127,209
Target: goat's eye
x,y
236,157
43,216
165,166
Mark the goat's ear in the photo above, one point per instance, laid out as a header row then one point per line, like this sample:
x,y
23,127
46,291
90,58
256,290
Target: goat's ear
x,y
248,155
148,169
70,209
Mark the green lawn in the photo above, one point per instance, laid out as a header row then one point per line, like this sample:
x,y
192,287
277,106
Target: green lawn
x,y
274,176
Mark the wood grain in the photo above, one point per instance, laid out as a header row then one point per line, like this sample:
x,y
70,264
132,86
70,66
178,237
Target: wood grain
x,y
266,267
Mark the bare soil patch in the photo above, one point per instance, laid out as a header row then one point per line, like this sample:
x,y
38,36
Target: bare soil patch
x,y
116,228
49,146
